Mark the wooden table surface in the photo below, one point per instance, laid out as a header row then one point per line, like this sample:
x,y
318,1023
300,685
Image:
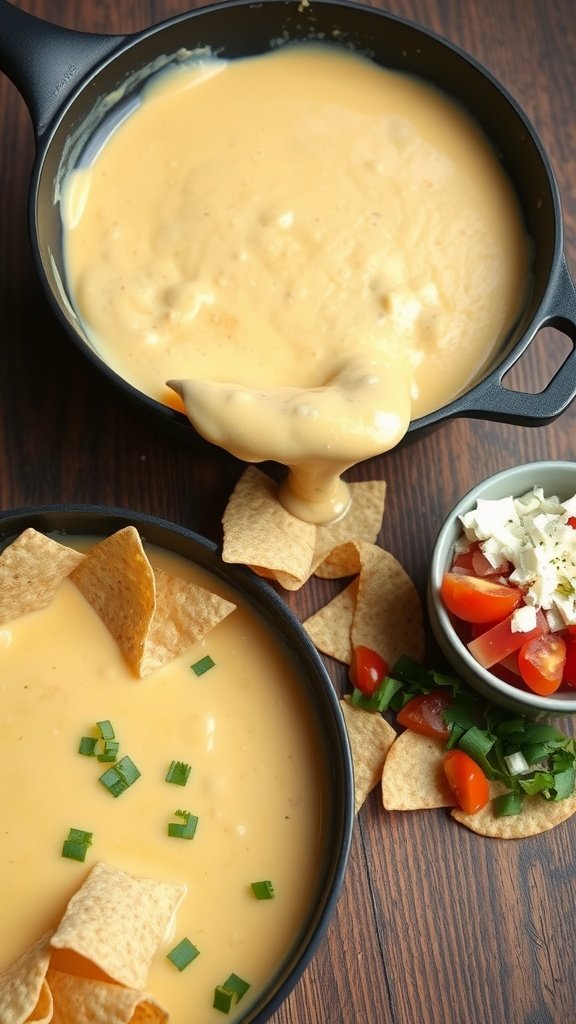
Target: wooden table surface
x,y
434,924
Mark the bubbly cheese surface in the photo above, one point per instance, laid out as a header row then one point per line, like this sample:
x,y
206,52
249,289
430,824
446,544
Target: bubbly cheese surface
x,y
311,249
256,785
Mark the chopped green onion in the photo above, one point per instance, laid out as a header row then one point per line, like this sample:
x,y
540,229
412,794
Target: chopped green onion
x,y
263,890
507,804
118,778
202,666
87,746
187,829
234,988
516,763
222,999
183,954
76,845
234,983
105,746
477,743
178,773
110,751
380,699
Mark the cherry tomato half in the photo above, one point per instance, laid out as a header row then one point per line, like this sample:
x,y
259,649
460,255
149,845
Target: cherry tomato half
x,y
478,600
541,662
423,713
466,780
367,670
569,673
499,641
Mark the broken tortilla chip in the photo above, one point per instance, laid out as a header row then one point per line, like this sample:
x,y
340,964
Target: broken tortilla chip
x,y
370,738
153,616
381,609
537,815
116,920
388,616
259,532
116,578
413,778
184,614
24,995
31,570
80,1000
329,628
362,522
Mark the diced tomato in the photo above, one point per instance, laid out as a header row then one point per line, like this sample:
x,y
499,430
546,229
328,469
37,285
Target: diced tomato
x,y
499,641
423,713
478,600
463,561
572,522
541,662
569,673
466,780
478,628
510,663
482,567
367,670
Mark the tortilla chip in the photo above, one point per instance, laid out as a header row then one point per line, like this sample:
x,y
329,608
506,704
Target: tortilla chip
x,y
259,532
80,1000
537,815
344,560
361,523
116,578
370,738
24,995
31,570
184,614
388,616
387,613
153,616
116,920
413,778
329,627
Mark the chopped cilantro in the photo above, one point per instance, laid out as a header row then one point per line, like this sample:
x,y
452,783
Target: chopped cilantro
x,y
490,735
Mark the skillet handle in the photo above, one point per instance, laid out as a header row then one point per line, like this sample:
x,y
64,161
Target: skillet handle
x,y
45,61
492,401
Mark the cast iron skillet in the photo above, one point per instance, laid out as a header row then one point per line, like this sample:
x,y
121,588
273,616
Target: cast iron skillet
x,y
338,817
64,75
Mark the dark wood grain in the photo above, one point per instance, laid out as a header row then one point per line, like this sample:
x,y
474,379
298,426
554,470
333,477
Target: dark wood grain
x,y
434,924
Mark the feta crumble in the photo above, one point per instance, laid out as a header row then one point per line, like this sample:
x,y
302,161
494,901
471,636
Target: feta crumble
x,y
532,533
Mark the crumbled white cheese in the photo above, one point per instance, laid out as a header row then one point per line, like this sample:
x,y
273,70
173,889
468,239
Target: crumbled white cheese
x,y
533,534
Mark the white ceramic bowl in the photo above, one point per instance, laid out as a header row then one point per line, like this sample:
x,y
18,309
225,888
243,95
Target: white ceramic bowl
x,y
555,478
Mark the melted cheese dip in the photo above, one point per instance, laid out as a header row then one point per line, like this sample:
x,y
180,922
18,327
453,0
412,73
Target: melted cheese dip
x,y
256,785
312,249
